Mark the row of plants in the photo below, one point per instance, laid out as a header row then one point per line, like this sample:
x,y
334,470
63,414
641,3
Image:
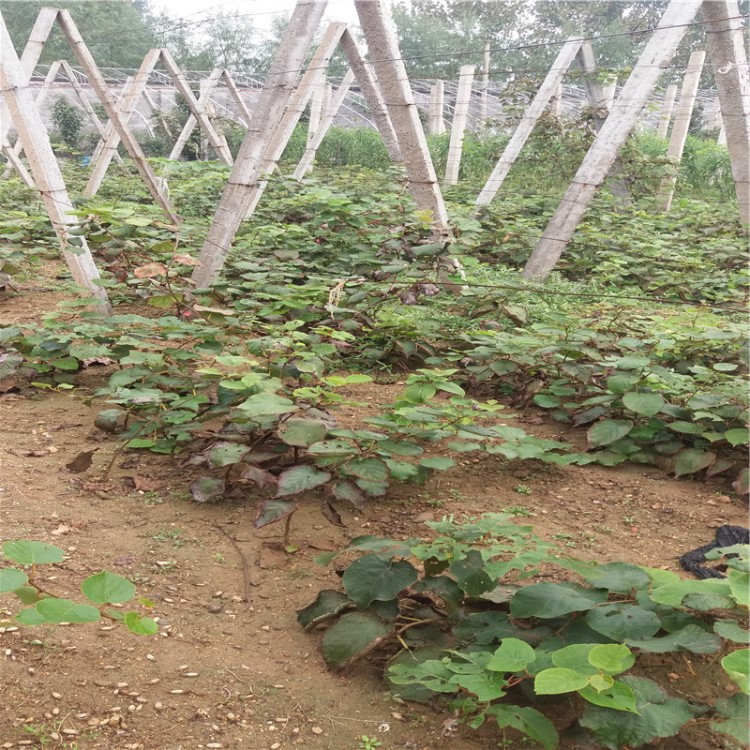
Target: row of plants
x,y
667,393
452,618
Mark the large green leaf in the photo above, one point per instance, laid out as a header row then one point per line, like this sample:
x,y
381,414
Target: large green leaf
x,y
205,489
554,599
556,680
734,711
690,460
736,667
618,696
107,588
373,578
607,431
25,552
327,604
226,454
140,625
658,716
419,393
623,621
271,510
647,404
354,635
618,577
11,579
266,405
369,469
690,638
471,574
732,631
302,433
533,724
300,479
512,656
65,610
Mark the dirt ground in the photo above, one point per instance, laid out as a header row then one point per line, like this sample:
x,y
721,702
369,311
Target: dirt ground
x,y
230,667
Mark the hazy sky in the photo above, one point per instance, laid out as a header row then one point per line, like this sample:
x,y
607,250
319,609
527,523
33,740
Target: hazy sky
x,y
337,10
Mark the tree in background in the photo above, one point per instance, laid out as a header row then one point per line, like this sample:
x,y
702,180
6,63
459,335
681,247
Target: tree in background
x,y
118,33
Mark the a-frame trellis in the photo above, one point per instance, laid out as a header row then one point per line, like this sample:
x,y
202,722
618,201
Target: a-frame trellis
x,y
57,67
391,104
726,50
574,50
19,99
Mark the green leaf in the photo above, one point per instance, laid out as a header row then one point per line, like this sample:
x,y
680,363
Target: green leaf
x,y
658,716
737,436
327,604
440,463
27,594
690,460
30,617
618,577
369,469
11,579
140,625
611,658
419,393
512,656
270,511
300,479
302,433
354,635
32,553
736,667
618,696
558,680
623,621
65,610
647,404
471,574
735,711
548,600
226,454
691,638
346,490
546,402
205,489
622,383
372,578
531,722
731,631
486,686
688,428
107,588
266,405
607,431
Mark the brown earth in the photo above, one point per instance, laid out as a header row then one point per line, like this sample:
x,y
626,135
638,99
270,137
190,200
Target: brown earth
x,y
231,668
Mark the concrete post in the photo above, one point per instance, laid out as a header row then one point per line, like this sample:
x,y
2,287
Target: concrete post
x,y
667,107
555,103
485,85
267,115
458,127
435,121
45,169
365,76
207,85
332,107
385,56
610,139
534,111
728,55
681,125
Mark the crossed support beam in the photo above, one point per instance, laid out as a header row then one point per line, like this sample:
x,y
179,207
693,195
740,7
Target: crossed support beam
x,y
725,46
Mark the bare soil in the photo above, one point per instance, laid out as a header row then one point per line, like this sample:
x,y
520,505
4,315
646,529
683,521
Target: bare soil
x,y
231,668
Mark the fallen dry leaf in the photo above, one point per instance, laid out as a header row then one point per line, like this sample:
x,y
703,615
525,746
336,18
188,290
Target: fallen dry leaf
x,y
143,484
82,462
